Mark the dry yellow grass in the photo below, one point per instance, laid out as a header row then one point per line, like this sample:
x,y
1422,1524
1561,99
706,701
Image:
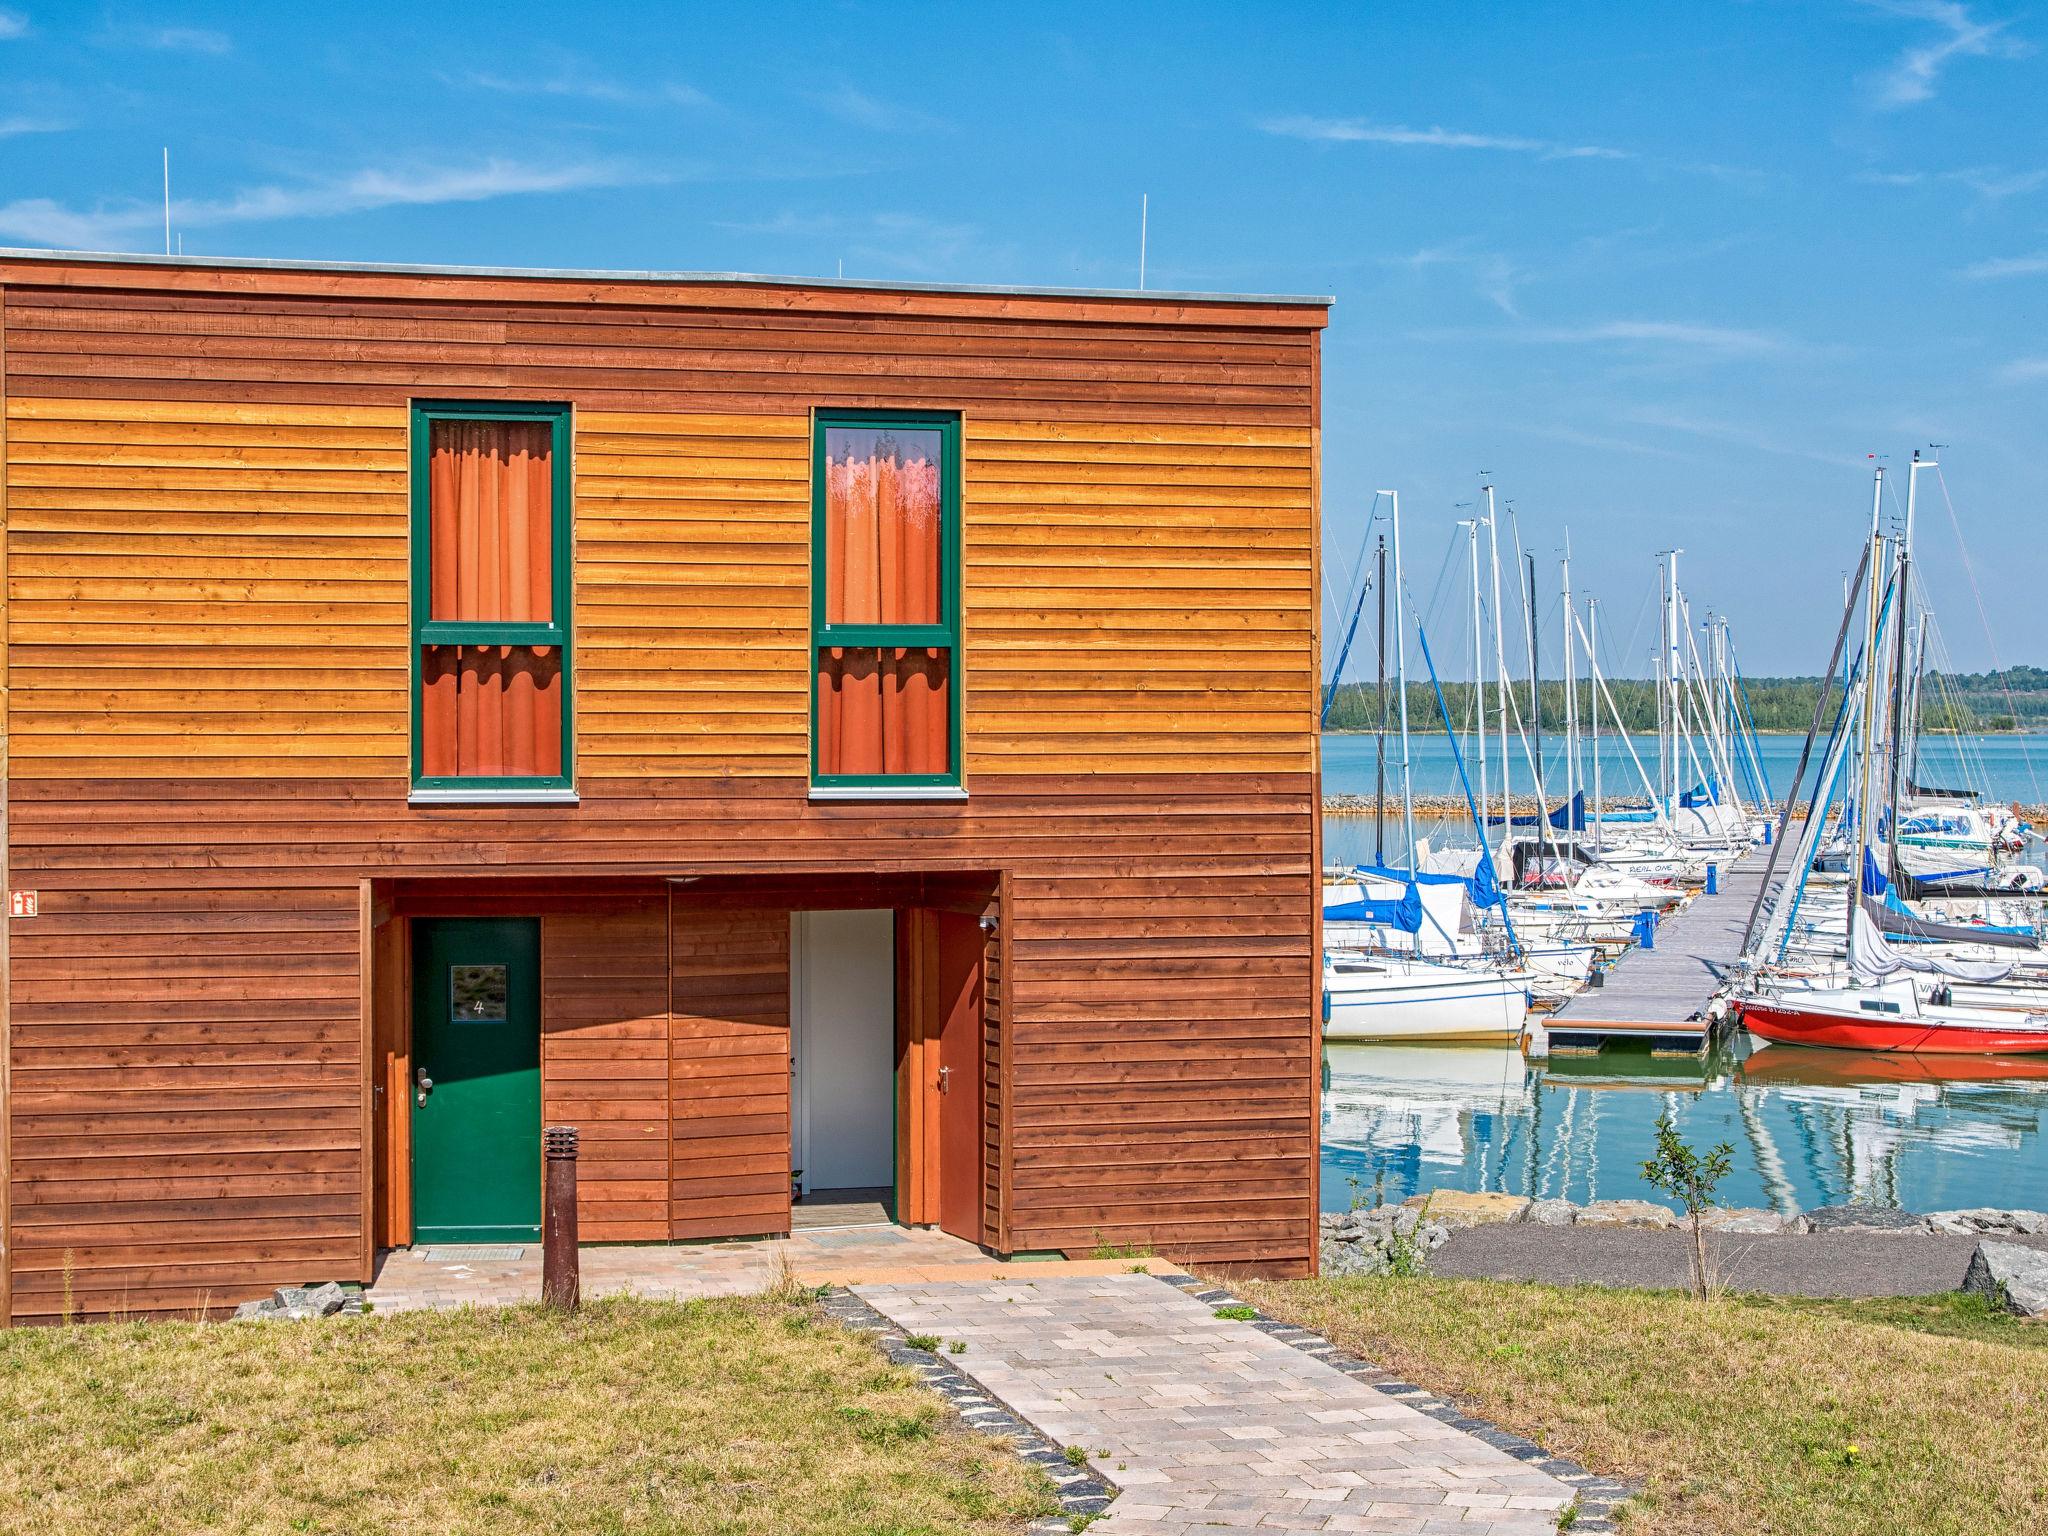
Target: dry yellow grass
x,y
751,1417
1925,1418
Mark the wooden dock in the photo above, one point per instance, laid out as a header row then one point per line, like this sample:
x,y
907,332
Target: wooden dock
x,y
1660,995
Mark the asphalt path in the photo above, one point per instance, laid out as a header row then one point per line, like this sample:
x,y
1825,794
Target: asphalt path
x,y
1795,1264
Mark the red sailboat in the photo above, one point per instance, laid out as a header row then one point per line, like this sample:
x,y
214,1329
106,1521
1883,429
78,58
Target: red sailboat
x,y
1903,1014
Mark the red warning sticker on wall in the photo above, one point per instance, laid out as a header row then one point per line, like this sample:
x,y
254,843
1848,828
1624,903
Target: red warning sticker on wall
x,y
21,903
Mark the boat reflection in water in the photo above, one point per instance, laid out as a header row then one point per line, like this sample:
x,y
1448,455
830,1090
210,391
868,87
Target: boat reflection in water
x,y
1809,1127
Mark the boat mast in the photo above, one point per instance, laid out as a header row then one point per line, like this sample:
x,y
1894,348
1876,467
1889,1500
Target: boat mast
x,y
1379,804
1536,699
1401,682
1478,670
1571,683
1500,679
1671,673
1899,679
1593,703
1869,714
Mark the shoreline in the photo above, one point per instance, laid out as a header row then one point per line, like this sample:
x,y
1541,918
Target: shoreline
x,y
1453,807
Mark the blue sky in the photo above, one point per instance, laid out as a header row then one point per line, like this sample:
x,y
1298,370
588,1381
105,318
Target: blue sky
x,y
1668,271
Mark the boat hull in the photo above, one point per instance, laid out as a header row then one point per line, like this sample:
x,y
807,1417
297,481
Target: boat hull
x,y
1792,1024
1482,1009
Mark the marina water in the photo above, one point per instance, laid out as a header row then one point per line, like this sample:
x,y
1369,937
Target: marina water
x,y
1808,1127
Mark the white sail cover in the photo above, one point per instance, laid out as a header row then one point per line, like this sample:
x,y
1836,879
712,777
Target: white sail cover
x,y
1873,959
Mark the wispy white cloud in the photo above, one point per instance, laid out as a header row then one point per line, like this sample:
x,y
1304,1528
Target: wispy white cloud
x,y
1356,130
1494,275
1916,74
14,127
1667,335
12,25
1736,434
857,107
1991,182
43,221
576,85
2024,370
2008,266
167,39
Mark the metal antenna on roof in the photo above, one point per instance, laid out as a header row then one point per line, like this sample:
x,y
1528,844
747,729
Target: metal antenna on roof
x,y
167,199
1144,218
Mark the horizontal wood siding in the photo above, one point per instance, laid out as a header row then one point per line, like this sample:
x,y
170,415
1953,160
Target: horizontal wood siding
x,y
604,1061
729,1045
188,1090
1251,367
217,587
228,584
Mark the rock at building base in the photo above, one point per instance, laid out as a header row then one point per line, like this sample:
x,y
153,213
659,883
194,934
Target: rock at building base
x,y
1377,1241
1979,1219
1626,1213
1457,1208
2010,1276
293,1303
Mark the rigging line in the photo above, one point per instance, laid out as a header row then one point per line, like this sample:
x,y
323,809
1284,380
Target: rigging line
x,y
1977,596
1443,571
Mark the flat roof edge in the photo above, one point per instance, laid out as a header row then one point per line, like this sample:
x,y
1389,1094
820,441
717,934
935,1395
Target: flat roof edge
x,y
589,274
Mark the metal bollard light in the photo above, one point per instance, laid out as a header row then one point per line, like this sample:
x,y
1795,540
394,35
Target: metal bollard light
x,y
561,1283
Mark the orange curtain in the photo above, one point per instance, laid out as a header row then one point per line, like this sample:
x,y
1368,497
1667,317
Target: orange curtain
x,y
491,711
884,711
491,514
882,535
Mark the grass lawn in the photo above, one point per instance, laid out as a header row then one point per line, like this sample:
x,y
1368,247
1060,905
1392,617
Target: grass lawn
x,y
742,1417
1783,1418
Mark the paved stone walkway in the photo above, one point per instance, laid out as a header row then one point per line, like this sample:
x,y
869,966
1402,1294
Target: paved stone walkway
x,y
490,1275
1207,1423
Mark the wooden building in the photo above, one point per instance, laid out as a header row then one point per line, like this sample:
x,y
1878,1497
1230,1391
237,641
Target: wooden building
x,y
828,735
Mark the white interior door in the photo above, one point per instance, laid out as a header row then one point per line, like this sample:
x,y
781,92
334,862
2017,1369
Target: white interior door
x,y
842,977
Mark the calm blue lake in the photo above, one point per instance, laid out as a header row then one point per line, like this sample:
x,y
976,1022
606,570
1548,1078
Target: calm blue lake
x,y
1807,1127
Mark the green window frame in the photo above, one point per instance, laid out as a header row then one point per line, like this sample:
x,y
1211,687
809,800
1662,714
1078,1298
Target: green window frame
x,y
558,632
944,635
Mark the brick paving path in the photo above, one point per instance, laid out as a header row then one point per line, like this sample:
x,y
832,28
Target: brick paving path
x,y
1207,1423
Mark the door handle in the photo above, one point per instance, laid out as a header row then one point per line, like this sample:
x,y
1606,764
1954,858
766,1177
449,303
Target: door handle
x,y
945,1079
423,1085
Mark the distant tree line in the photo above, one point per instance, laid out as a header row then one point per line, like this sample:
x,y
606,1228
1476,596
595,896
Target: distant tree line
x,y
2013,699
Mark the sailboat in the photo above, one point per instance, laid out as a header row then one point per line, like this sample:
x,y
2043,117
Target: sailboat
x,y
1390,995
1891,999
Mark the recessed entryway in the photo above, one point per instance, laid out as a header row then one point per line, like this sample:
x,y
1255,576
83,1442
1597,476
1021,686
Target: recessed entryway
x,y
842,979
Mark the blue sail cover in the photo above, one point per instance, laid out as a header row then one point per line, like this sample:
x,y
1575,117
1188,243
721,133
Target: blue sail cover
x,y
1566,818
1482,887
1404,912
1708,793
1874,882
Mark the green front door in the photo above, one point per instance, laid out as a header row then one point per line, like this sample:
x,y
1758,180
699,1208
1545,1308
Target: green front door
x,y
476,1080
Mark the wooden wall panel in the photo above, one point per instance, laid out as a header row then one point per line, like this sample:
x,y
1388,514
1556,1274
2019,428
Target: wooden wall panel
x,y
228,583
187,1095
163,339
729,1052
605,1062
1138,598
206,588
692,584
